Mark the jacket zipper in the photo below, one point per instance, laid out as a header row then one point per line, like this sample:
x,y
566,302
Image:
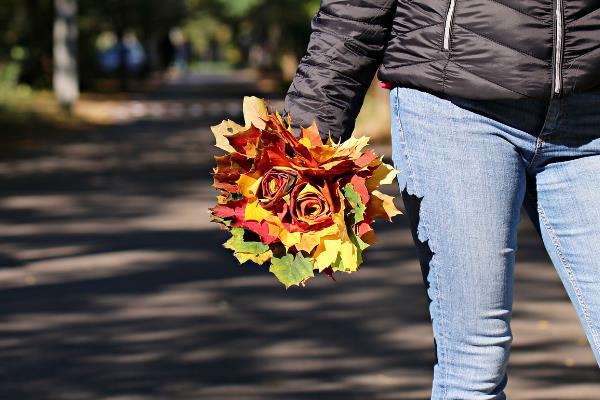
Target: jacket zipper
x,y
558,47
448,25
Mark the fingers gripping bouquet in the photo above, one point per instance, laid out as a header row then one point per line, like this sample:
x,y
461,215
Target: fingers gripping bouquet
x,y
298,203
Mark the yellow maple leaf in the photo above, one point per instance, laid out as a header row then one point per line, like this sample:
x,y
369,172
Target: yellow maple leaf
x,y
338,218
332,247
327,252
255,112
222,199
250,149
322,153
311,239
257,258
248,186
305,142
352,147
288,238
384,174
274,228
255,212
349,256
382,205
222,131
307,243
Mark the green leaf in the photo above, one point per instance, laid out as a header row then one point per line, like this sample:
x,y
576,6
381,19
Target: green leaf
x,y
338,264
217,219
358,243
292,271
244,250
235,196
358,208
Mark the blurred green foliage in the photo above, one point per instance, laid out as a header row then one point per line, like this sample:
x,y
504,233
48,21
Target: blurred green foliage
x,y
240,33
254,33
26,40
223,34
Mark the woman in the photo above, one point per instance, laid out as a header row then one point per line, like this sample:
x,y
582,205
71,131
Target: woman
x,y
495,104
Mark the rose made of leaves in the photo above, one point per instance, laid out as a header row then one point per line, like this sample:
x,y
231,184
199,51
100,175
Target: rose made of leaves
x,y
297,203
311,207
275,184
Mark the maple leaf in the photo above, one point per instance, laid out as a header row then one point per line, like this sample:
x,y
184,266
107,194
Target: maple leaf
x,y
359,185
224,130
256,212
358,208
310,136
247,250
248,185
256,112
350,257
223,221
292,270
382,175
327,252
311,239
360,246
382,205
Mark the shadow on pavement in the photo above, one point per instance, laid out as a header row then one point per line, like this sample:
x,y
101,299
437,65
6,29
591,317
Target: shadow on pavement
x,y
115,285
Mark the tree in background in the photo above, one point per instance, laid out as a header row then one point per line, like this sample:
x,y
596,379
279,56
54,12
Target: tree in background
x,y
26,41
65,78
259,33
148,20
26,34
270,35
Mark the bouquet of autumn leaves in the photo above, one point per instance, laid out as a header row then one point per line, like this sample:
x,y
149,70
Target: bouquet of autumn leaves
x,y
296,202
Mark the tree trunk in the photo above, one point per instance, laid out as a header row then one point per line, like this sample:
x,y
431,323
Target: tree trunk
x,y
65,80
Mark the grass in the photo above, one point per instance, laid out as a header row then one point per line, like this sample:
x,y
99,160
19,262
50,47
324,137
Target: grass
x,y
212,67
27,115
30,117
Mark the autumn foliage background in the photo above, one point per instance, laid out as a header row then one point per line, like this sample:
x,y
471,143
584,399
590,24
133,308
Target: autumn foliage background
x,y
264,38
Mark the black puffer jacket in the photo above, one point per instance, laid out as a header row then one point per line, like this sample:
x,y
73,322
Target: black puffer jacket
x,y
480,49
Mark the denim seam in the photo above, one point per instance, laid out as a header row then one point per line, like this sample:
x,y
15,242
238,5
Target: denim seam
x,y
411,172
572,279
539,141
444,354
538,149
397,116
443,322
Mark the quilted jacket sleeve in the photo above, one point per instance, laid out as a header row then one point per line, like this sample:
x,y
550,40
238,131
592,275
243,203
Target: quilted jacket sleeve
x,y
345,49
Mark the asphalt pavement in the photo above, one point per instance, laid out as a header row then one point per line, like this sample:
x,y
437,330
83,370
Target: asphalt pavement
x,y
114,284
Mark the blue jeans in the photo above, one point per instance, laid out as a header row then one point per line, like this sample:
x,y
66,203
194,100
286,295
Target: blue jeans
x,y
465,169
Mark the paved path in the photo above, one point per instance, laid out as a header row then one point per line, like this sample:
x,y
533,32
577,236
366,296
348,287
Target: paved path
x,y
113,285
